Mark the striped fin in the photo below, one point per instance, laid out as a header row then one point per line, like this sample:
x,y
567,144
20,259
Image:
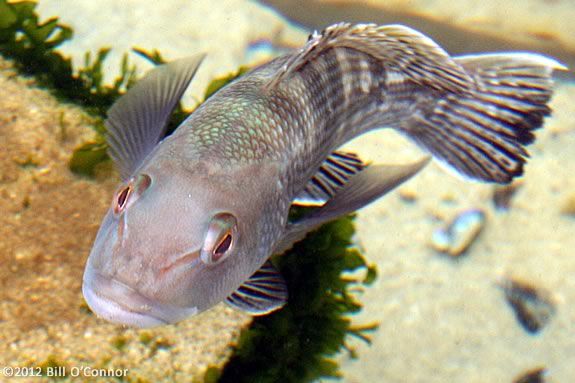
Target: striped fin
x,y
137,121
265,291
332,175
373,182
398,48
482,134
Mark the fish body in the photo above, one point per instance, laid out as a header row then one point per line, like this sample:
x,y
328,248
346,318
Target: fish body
x,y
201,211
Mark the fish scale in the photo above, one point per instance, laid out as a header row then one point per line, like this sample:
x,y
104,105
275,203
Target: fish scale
x,y
323,83
199,213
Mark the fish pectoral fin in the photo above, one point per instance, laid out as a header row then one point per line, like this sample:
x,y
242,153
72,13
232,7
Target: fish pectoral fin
x,y
332,175
399,48
294,234
363,188
138,120
265,291
341,187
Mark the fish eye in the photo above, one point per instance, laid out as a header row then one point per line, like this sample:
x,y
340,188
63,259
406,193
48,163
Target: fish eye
x,y
129,193
220,239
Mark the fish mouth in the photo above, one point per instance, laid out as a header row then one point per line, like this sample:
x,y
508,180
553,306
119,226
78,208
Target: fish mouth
x,y
119,303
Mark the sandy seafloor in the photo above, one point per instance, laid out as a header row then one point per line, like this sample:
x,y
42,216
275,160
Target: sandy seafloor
x,y
441,320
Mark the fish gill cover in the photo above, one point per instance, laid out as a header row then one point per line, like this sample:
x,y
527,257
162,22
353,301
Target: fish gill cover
x,y
295,344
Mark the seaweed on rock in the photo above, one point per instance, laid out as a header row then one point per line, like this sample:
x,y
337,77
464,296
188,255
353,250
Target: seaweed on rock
x,y
32,44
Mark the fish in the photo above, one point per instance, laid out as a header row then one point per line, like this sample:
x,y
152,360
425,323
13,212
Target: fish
x,y
199,212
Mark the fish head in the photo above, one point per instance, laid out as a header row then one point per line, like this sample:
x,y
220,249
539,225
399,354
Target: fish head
x,y
172,244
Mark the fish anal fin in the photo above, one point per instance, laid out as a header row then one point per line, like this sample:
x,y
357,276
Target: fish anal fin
x,y
333,174
264,292
137,121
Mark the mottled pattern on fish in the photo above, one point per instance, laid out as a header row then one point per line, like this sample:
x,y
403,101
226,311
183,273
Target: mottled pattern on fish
x,y
474,112
201,212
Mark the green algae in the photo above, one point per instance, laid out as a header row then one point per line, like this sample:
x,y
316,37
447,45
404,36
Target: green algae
x,y
32,44
146,337
51,364
119,342
218,83
88,156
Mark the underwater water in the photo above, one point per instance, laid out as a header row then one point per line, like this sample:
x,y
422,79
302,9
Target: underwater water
x,y
474,282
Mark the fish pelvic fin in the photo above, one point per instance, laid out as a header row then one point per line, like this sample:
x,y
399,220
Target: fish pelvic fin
x,y
333,173
398,48
264,292
483,134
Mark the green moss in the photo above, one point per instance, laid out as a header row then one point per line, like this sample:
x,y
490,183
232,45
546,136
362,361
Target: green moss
x,y
51,364
219,82
32,44
297,343
119,342
146,337
88,156
160,344
28,162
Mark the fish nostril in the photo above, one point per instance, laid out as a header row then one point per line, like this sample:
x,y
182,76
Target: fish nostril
x,y
122,199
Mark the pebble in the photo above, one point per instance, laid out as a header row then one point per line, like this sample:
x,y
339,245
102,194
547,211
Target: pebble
x,y
532,306
455,238
568,208
502,195
532,376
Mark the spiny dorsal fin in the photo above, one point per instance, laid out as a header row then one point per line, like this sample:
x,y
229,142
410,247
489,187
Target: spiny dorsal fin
x,y
399,48
137,121
265,291
332,175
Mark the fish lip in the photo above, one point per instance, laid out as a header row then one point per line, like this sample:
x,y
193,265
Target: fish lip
x,y
119,303
116,313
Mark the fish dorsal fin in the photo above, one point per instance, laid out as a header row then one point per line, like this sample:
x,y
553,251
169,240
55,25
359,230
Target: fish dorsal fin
x,y
137,121
333,174
372,182
397,47
265,291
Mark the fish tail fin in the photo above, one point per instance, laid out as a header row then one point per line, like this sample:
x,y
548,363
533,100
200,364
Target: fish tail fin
x,y
482,133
